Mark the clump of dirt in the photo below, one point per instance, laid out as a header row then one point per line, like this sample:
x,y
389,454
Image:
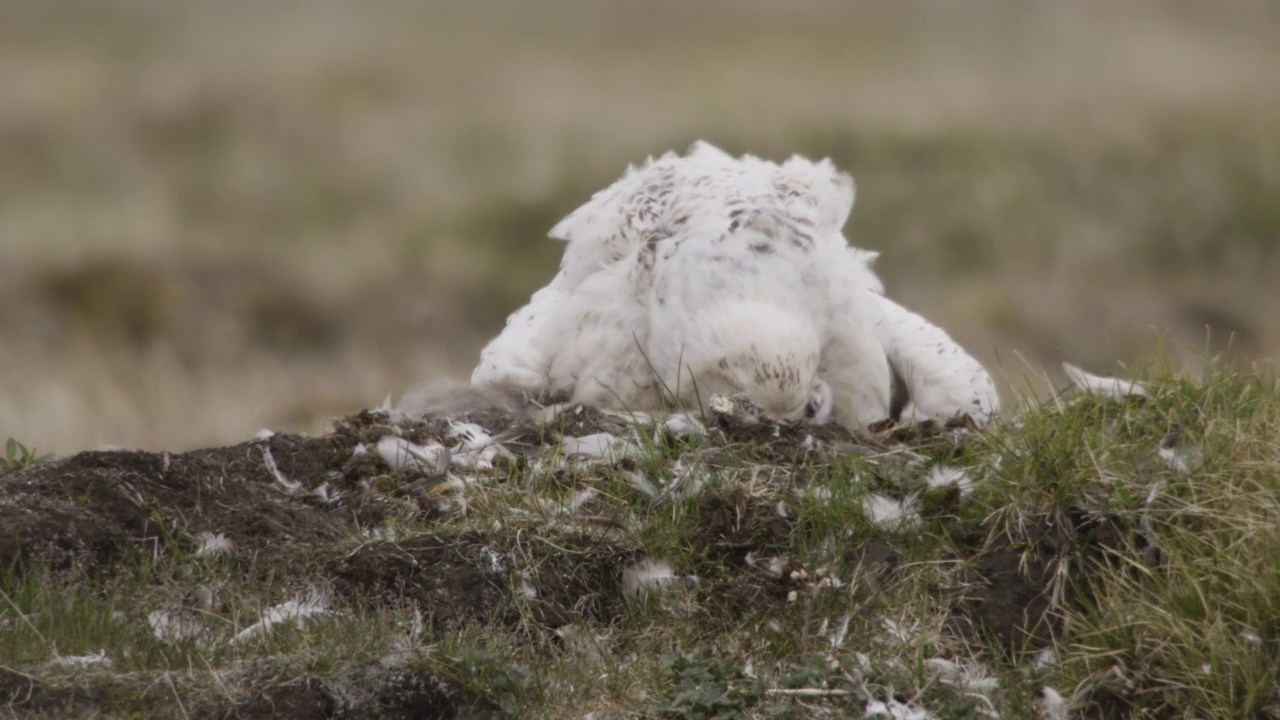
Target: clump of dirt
x,y
94,509
476,577
405,693
37,699
733,530
1011,600
1016,588
582,420
298,700
733,524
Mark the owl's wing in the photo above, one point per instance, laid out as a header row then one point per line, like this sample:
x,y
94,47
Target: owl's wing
x,y
595,341
599,236
853,361
514,359
942,379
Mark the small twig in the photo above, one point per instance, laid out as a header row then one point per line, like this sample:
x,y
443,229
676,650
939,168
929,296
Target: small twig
x,y
23,615
169,679
809,692
810,602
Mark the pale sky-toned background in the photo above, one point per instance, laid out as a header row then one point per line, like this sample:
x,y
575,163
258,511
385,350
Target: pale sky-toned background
x,y
218,217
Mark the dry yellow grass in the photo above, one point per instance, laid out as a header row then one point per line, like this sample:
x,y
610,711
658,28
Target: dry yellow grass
x,y
1061,181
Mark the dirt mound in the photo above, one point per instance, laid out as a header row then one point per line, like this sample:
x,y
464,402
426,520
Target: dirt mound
x,y
467,578
332,510
94,509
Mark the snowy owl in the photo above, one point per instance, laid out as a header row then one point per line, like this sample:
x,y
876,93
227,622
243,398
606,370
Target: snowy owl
x,y
709,274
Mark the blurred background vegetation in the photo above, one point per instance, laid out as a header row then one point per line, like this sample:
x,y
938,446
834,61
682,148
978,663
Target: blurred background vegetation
x,y
216,217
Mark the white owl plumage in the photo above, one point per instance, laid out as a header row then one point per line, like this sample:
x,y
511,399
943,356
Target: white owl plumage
x,y
701,274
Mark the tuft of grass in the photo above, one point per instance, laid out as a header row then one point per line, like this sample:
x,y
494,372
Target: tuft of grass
x,y
17,455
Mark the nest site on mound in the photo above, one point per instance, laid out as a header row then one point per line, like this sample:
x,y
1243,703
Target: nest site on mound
x,y
541,523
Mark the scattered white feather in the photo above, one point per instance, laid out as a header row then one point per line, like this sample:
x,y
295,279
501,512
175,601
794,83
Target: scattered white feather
x,y
841,632
821,492
400,454
602,446
470,435
684,425
1178,453
325,496
1103,386
527,590
1181,460
647,576
314,602
944,475
966,676
175,626
773,565
476,448
359,451
214,545
584,643
888,513
1144,520
894,710
264,434
290,486
895,633
640,482
391,532
1045,658
481,459
82,661
579,499
687,479
1055,706
496,563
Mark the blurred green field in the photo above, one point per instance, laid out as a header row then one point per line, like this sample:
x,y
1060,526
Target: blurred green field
x,y
220,217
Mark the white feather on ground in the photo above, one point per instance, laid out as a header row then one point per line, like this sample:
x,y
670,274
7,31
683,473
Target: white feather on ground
x,y
82,661
314,602
940,476
602,446
1055,706
214,545
706,274
886,512
1103,386
176,625
894,710
647,576
399,453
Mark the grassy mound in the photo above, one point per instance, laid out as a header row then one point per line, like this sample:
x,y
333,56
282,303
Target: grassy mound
x,y
1115,552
